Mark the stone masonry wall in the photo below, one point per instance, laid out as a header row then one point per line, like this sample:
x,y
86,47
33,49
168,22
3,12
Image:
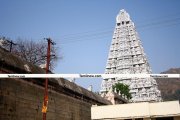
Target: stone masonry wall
x,y
22,100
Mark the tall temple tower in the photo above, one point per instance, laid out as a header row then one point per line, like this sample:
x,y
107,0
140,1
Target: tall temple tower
x,y
126,56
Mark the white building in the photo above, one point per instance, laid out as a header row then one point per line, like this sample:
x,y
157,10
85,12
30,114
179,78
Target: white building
x,y
126,56
137,111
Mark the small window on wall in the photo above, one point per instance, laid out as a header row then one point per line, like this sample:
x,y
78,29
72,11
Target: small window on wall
x,y
127,22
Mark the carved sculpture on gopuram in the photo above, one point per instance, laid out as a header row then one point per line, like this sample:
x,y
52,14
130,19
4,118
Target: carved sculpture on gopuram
x,y
127,56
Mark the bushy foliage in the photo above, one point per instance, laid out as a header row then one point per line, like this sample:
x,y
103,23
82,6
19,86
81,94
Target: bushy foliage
x,y
123,89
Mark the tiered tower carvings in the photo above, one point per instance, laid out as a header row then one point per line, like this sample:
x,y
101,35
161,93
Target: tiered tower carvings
x,y
126,56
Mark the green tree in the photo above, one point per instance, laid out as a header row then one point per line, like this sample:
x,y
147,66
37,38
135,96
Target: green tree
x,y
123,89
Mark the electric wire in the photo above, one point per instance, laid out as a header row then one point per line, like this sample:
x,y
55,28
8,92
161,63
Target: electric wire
x,y
158,24
103,33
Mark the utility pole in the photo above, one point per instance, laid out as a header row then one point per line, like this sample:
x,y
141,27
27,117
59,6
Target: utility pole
x,y
11,44
45,103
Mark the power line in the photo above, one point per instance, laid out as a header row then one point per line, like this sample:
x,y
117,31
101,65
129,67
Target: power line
x,y
153,20
153,24
87,39
162,22
88,35
87,32
158,24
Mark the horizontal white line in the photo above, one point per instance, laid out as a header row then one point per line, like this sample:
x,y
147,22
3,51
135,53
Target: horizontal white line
x,y
104,76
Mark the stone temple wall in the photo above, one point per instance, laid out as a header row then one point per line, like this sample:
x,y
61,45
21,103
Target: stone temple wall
x,y
22,99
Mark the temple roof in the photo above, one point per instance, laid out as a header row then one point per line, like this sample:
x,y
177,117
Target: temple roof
x,y
122,16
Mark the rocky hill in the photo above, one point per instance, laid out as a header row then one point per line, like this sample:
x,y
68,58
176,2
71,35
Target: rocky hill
x,y
170,87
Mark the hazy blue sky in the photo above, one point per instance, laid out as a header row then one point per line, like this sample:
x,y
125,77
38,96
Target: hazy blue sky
x,y
83,30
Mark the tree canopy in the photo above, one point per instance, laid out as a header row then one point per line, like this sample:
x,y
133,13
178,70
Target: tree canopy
x,y
123,89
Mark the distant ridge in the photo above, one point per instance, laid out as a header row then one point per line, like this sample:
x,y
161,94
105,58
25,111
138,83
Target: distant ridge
x,y
170,87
